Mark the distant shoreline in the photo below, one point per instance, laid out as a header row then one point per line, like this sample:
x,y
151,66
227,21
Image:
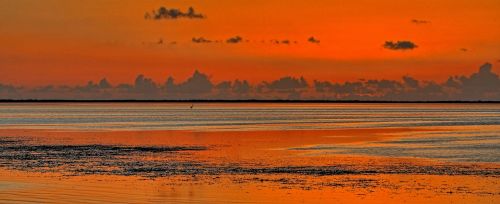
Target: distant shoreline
x,y
229,101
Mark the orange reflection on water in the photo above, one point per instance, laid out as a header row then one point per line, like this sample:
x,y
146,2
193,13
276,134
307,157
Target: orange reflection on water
x,y
268,147
52,188
247,148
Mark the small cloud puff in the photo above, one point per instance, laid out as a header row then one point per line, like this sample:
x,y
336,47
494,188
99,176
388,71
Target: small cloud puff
x,y
165,13
419,22
234,40
201,40
313,40
400,45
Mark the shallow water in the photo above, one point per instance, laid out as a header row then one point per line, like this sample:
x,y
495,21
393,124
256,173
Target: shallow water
x,y
220,116
220,153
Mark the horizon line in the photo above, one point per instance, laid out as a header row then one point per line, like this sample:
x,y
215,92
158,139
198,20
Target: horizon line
x,y
233,101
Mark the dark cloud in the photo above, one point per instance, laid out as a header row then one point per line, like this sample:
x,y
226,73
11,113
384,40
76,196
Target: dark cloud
x,y
482,85
241,87
173,13
224,86
286,42
420,22
235,39
286,84
400,45
283,88
145,86
464,49
127,87
198,83
233,90
313,40
48,89
93,87
104,84
7,88
452,82
411,82
159,42
201,40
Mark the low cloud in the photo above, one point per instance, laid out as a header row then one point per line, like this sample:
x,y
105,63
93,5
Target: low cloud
x,y
284,88
201,40
159,42
234,40
145,85
7,88
193,88
241,87
286,84
172,14
233,90
313,40
419,21
400,45
481,85
284,42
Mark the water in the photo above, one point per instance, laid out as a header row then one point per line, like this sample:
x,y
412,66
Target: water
x,y
475,135
219,116
249,152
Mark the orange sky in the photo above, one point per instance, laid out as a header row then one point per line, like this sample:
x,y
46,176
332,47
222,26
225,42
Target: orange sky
x,y
71,42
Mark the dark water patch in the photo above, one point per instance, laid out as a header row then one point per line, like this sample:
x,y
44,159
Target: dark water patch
x,y
96,150
153,169
303,170
90,159
164,161
369,170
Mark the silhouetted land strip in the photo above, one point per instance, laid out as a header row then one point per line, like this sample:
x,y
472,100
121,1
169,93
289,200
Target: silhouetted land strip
x,y
229,101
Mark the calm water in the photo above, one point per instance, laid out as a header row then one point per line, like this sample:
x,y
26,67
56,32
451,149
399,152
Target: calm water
x,y
473,135
157,116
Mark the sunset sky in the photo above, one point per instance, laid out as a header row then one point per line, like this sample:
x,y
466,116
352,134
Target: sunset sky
x,y
72,41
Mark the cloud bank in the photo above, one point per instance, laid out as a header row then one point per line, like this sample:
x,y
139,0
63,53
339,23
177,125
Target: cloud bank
x,y
482,85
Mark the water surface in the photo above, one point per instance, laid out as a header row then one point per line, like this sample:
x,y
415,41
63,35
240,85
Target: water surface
x,y
375,153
